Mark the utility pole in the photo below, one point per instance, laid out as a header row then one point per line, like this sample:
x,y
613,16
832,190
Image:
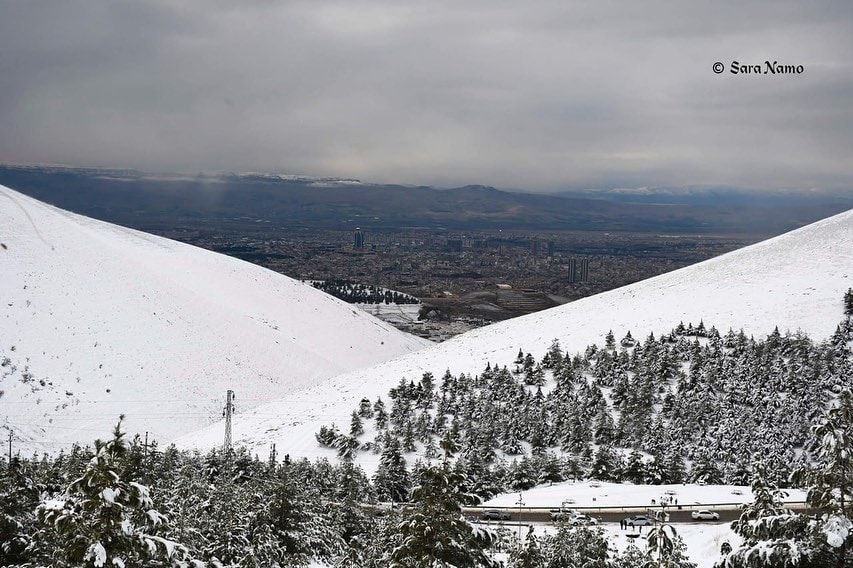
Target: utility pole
x,y
229,408
145,466
520,504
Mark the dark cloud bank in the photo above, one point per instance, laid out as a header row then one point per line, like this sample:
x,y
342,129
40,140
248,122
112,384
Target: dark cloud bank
x,y
545,96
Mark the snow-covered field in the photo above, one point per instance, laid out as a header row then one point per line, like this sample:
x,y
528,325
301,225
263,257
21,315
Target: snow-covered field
x,y
593,494
795,281
703,539
99,320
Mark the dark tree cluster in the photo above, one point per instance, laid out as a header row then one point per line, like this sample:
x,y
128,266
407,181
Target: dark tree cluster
x,y
690,406
126,504
353,293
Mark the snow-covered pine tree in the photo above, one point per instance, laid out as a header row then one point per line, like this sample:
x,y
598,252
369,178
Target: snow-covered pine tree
x,y
288,525
830,484
554,357
610,341
603,466
527,554
770,532
103,519
631,557
365,410
19,496
391,479
356,428
436,534
576,546
665,547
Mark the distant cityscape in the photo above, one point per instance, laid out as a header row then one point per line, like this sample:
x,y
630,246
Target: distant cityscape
x,y
456,273
472,255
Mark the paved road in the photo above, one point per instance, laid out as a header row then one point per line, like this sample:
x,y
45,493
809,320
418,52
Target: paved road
x,y
727,515
675,517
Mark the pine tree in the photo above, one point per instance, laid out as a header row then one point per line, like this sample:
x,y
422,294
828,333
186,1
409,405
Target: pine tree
x,y
665,547
705,470
365,410
604,427
610,341
674,466
436,534
391,479
104,520
769,530
603,464
631,557
287,526
356,428
830,483
554,357
381,414
19,496
634,468
848,302
576,546
527,555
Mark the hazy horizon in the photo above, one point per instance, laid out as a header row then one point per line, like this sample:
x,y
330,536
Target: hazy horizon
x,y
554,97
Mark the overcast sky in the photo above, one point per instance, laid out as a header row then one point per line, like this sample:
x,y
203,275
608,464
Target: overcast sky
x,y
528,95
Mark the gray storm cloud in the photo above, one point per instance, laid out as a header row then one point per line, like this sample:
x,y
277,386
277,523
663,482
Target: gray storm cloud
x,y
542,96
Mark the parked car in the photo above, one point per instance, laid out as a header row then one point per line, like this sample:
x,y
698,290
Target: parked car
x,y
639,521
705,515
495,515
582,520
563,514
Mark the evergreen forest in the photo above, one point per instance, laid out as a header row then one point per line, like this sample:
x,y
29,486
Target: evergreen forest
x,y
692,405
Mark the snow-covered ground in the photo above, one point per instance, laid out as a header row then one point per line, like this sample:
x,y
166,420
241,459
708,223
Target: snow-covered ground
x,y
593,494
99,320
703,539
795,281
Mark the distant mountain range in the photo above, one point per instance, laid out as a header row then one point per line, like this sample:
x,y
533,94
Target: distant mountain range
x,y
166,201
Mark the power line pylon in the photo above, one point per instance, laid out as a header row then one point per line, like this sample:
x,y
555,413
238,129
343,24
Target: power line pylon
x,y
229,408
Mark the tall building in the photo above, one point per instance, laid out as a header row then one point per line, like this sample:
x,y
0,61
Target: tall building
x,y
534,247
359,238
550,248
584,276
573,265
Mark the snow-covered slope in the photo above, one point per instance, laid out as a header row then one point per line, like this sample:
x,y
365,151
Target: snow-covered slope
x,y
796,281
98,320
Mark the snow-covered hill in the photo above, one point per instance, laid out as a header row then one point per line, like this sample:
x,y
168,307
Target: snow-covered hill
x,y
795,281
98,320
